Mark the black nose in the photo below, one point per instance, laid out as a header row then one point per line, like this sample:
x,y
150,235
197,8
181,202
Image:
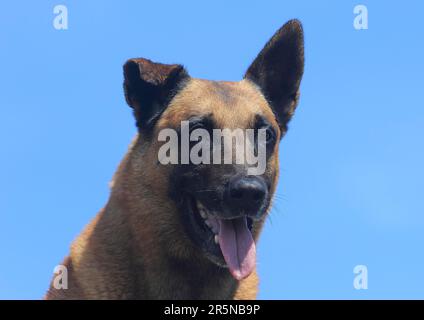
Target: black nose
x,y
246,194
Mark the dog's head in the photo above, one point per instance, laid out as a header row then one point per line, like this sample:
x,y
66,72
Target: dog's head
x,y
221,204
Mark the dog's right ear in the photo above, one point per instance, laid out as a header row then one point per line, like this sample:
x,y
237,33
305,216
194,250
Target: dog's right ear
x,y
149,87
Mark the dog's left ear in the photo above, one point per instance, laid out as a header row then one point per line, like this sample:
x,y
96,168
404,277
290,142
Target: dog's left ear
x,y
278,70
149,87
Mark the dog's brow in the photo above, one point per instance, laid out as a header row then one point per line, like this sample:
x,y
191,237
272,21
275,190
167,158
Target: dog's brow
x,y
261,121
201,118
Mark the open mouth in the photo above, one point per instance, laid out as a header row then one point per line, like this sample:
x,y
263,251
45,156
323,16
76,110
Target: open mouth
x,y
225,239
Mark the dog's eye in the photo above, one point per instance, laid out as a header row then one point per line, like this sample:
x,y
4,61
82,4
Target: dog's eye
x,y
269,135
197,125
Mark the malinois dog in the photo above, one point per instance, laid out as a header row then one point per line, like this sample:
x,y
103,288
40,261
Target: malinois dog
x,y
188,231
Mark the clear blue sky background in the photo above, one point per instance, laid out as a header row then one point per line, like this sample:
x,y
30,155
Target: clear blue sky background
x,y
352,181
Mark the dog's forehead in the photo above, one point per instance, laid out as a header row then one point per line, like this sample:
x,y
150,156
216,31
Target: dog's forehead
x,y
231,104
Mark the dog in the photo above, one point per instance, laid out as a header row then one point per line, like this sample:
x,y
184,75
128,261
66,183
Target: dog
x,y
188,231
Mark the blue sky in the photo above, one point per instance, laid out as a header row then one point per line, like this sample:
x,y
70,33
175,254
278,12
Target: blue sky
x,y
352,177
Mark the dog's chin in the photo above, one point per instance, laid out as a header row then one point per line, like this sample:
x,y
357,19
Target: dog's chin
x,y
226,242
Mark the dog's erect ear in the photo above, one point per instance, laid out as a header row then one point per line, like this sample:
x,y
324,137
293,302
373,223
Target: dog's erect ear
x,y
278,70
149,87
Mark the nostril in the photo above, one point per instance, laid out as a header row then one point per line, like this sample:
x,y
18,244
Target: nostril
x,y
258,194
236,193
247,190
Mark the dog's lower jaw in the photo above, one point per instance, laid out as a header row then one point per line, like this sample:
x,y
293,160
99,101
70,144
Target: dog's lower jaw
x,y
177,269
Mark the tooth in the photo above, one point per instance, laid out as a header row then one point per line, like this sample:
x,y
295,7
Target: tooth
x,y
216,239
201,209
199,205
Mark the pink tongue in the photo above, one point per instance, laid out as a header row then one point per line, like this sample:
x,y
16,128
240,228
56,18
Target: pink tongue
x,y
237,246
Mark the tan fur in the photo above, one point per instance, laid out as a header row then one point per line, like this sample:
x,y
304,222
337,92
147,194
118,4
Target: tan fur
x,y
135,248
